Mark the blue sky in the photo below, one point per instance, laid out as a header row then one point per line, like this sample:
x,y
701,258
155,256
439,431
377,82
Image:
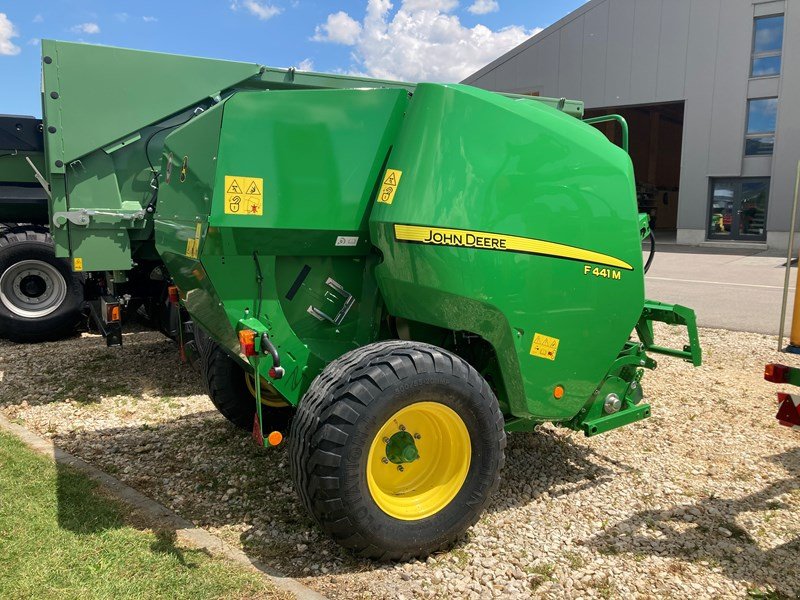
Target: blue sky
x,y
434,40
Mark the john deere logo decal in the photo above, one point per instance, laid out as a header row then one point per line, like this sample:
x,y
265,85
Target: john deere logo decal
x,y
464,238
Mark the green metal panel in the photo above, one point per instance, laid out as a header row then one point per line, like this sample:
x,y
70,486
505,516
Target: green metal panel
x,y
477,162
18,183
15,169
99,105
317,155
105,93
316,176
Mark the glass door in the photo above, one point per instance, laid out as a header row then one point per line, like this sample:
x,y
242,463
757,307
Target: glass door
x,y
738,209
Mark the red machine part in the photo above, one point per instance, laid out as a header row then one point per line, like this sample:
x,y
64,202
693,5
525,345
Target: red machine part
x,y
788,404
789,410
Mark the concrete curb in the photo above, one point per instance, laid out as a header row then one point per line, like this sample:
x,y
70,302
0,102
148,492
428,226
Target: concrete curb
x,y
184,530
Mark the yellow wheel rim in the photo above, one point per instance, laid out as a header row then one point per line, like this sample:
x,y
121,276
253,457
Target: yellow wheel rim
x,y
268,395
418,461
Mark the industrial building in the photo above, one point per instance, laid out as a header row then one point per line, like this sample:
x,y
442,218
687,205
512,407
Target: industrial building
x,y
709,89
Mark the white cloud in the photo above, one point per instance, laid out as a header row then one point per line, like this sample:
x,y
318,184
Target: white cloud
x,y
148,19
38,18
437,5
483,7
34,42
423,41
340,28
90,28
306,65
261,10
7,31
122,17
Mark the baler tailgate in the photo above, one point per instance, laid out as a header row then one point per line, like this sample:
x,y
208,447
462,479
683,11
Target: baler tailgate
x,y
672,314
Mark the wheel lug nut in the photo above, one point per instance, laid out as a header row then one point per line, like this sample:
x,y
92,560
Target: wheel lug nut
x,y
417,436
385,460
402,427
385,440
400,468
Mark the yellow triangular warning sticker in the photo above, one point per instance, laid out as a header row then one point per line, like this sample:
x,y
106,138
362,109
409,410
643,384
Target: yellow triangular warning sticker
x,y
234,188
253,189
391,179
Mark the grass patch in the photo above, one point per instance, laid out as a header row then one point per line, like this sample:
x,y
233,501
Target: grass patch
x,y
543,572
575,560
543,569
766,594
461,557
62,536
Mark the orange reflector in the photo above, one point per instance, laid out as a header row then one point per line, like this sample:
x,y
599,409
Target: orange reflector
x,y
558,392
174,294
115,314
776,373
247,341
275,438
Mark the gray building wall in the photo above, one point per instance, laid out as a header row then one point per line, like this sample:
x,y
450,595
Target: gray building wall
x,y
613,53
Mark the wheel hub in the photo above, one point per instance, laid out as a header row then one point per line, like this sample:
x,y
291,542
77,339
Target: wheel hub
x,y
32,289
401,448
33,286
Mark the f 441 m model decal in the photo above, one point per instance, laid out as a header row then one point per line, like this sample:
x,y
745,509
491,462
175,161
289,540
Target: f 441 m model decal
x,y
464,238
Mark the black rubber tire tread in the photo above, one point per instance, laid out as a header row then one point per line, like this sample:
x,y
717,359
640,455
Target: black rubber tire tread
x,y
225,386
320,430
15,243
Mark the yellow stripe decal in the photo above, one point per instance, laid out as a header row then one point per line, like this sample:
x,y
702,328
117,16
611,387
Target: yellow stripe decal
x,y
464,238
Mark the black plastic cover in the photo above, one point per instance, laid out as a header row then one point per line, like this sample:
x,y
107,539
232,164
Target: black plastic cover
x,y
21,133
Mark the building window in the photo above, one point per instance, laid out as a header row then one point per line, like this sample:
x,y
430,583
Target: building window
x,y
767,46
738,209
761,116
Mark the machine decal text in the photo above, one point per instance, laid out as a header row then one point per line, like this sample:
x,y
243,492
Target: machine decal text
x,y
602,273
440,236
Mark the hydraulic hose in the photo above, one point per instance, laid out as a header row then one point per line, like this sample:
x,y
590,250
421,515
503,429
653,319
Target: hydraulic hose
x,y
652,252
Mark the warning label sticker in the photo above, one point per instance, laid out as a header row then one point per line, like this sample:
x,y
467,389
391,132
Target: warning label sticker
x,y
544,346
244,195
77,264
389,186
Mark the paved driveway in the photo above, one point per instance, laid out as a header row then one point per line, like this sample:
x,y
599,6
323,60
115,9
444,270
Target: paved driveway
x,y
731,289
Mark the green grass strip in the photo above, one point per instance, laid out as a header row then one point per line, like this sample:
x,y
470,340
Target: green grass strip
x,y
63,537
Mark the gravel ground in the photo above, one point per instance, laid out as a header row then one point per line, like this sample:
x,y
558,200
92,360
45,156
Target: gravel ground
x,y
699,501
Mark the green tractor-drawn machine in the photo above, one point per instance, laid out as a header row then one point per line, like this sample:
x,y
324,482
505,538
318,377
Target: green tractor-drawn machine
x,y
391,275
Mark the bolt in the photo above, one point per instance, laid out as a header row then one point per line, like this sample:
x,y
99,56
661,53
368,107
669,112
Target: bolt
x,y
633,385
612,404
641,362
385,460
417,436
386,440
400,468
402,427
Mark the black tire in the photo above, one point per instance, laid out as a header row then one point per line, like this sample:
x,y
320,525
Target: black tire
x,y
340,416
227,387
51,277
